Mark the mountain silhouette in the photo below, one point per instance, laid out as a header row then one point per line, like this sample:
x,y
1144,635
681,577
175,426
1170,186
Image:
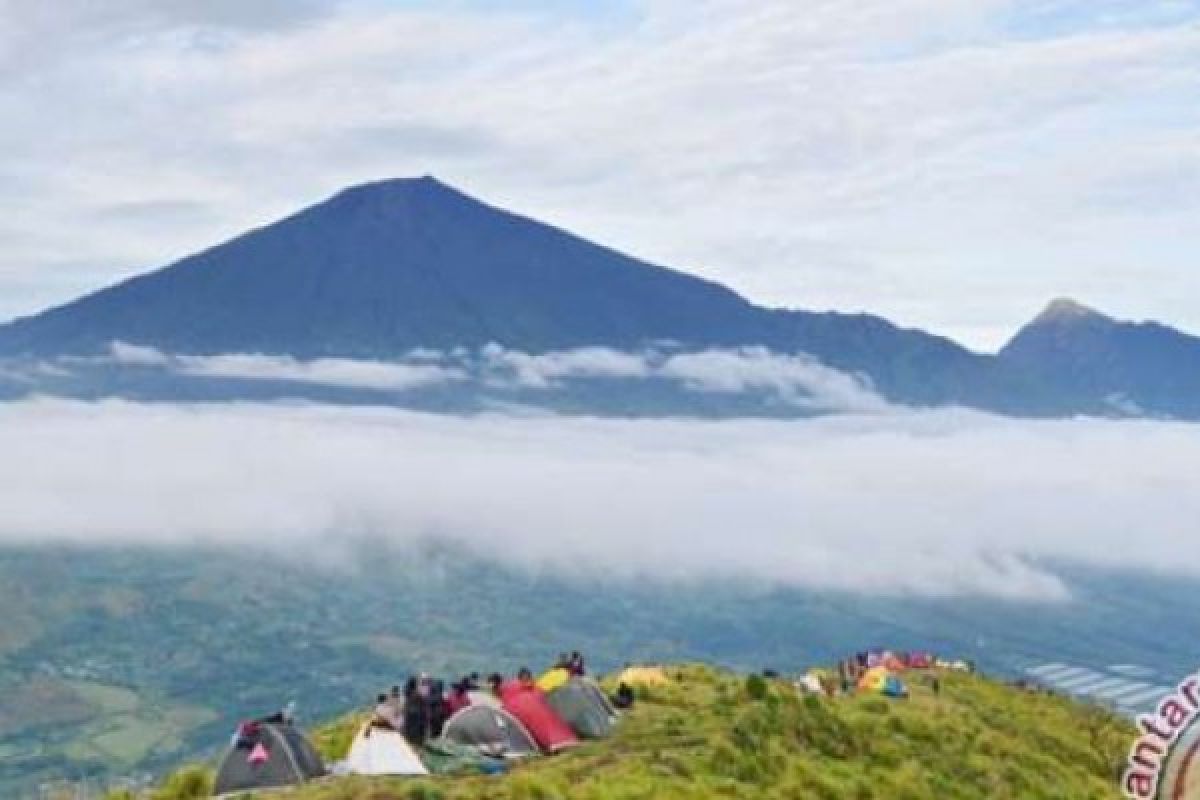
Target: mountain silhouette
x,y
1086,359
383,268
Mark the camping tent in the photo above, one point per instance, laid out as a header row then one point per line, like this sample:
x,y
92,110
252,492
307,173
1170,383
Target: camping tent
x,y
921,661
480,697
643,676
553,678
493,731
528,704
811,682
382,751
270,756
598,694
882,681
443,757
576,704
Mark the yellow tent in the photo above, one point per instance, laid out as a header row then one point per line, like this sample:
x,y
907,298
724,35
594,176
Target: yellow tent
x,y
882,681
874,679
643,676
552,679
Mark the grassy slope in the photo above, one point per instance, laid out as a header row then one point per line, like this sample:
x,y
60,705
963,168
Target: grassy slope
x,y
711,734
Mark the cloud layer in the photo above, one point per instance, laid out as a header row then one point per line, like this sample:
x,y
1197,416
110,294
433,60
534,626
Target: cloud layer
x,y
797,379
939,503
951,164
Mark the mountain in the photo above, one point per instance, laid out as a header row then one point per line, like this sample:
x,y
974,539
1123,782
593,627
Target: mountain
x,y
383,268
713,733
1089,360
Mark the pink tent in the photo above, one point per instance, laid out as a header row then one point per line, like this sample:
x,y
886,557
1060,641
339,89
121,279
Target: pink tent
x,y
528,704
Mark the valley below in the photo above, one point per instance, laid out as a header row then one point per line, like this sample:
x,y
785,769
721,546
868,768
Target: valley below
x,y
118,664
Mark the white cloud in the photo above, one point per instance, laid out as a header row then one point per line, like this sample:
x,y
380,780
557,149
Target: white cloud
x,y
323,371
134,355
951,164
543,370
797,379
940,503
336,372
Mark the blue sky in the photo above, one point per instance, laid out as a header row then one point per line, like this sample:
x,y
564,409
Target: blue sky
x,y
951,164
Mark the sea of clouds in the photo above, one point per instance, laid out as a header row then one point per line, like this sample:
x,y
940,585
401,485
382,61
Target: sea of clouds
x,y
936,503
795,379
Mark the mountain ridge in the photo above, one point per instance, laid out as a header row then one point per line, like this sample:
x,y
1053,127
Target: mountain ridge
x,y
381,268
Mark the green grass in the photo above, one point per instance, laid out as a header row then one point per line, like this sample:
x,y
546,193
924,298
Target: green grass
x,y
714,734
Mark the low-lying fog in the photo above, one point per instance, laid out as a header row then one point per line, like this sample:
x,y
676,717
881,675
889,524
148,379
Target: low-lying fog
x,y
935,503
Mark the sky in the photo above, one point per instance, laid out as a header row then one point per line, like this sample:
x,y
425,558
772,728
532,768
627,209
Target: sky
x,y
950,164
933,503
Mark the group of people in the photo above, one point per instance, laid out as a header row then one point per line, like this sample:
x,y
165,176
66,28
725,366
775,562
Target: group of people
x,y
420,708
572,663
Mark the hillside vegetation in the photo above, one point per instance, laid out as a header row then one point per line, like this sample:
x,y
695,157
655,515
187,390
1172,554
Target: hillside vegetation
x,y
160,624
712,733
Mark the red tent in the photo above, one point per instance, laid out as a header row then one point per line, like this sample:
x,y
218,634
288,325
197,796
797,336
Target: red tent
x,y
921,661
528,704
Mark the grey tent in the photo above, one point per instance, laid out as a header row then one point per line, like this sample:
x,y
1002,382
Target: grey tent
x,y
600,697
273,755
491,731
583,707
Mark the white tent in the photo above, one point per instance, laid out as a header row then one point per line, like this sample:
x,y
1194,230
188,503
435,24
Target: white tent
x,y
482,698
811,683
379,751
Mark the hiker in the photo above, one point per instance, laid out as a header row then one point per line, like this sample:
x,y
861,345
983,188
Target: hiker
x,y
575,664
385,715
415,723
396,700
473,682
623,699
495,682
525,678
437,708
458,698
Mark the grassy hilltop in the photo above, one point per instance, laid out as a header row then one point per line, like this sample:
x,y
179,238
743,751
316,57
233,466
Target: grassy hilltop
x,y
712,734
